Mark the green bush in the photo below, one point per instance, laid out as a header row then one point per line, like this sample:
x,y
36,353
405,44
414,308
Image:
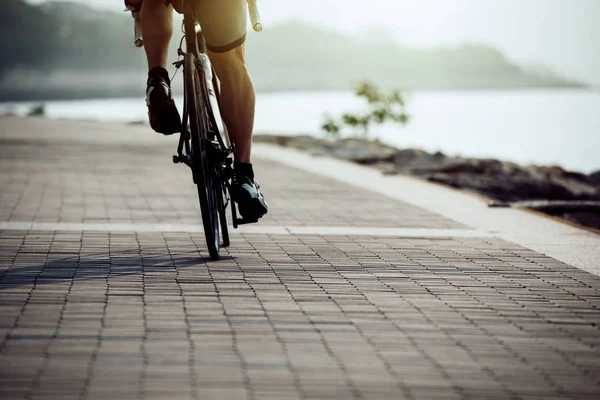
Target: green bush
x,y
382,107
37,111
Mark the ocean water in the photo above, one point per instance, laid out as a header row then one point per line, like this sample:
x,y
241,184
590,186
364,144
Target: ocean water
x,y
549,127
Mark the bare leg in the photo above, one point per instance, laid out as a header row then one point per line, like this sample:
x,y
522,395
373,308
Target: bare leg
x,y
157,27
237,99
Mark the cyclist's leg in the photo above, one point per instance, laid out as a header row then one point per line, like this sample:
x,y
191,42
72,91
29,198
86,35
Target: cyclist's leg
x,y
224,27
157,27
237,99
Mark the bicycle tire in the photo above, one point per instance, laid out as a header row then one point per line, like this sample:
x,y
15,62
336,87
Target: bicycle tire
x,y
223,219
224,141
203,178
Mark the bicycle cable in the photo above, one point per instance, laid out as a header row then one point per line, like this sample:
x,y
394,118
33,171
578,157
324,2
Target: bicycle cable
x,y
179,55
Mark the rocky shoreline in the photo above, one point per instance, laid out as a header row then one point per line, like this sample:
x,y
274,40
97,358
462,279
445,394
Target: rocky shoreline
x,y
565,194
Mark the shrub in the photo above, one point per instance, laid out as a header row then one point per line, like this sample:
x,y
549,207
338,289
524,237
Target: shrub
x,y
382,107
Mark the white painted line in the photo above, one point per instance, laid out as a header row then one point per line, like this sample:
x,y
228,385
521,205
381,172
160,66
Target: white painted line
x,y
375,231
258,229
17,226
576,247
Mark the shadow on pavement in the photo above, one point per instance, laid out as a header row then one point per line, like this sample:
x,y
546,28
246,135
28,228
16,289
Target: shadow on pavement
x,y
102,266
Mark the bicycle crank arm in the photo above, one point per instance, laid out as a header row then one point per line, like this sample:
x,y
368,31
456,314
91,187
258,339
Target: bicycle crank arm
x,y
239,221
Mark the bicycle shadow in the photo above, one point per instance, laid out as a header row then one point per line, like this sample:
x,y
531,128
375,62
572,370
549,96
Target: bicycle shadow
x,y
94,266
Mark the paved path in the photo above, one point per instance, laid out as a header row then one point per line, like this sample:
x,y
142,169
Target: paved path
x,y
102,298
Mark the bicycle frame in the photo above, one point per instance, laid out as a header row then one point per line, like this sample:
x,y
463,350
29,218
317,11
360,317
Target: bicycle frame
x,y
196,48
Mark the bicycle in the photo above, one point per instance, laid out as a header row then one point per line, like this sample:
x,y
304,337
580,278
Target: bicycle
x,y
204,144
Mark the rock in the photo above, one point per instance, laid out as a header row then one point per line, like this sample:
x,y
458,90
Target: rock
x,y
501,180
363,151
590,219
512,182
413,158
595,179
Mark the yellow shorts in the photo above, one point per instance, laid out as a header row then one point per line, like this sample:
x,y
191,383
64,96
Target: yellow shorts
x,y
223,22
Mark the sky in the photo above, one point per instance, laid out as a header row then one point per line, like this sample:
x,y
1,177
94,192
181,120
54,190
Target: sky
x,y
561,34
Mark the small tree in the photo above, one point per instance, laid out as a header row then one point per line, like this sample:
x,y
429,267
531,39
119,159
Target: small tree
x,y
383,107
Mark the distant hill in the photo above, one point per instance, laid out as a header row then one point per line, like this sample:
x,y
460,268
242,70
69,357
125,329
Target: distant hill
x,y
296,56
66,50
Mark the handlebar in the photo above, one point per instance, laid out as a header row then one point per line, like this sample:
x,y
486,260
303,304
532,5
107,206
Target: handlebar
x,y
137,30
254,15
138,37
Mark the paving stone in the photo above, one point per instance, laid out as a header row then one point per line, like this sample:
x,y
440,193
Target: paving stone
x,y
96,315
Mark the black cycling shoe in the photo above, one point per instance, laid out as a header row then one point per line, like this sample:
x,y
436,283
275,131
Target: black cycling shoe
x,y
162,111
251,203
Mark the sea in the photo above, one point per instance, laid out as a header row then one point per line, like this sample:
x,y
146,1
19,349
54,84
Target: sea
x,y
542,127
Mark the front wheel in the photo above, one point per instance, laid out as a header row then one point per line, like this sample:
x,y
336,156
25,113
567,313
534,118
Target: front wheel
x,y
204,177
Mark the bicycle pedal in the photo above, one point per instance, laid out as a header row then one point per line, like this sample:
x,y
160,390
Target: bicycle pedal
x,y
242,221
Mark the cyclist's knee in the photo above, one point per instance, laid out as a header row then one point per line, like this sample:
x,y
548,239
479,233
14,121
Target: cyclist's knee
x,y
233,58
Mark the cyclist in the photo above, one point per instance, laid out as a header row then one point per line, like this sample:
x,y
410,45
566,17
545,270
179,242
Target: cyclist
x,y
223,23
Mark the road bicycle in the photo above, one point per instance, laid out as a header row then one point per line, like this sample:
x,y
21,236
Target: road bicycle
x,y
204,144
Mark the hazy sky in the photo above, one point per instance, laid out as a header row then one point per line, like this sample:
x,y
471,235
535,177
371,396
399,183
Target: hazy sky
x,y
563,34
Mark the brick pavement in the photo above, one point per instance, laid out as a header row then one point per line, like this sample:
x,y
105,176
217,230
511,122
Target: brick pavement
x,y
57,173
96,315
